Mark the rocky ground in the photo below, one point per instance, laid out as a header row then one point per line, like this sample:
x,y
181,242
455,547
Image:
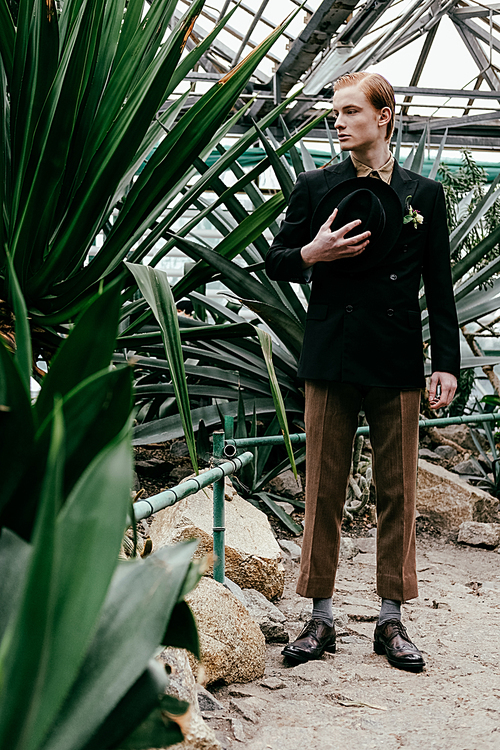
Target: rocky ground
x,y
354,698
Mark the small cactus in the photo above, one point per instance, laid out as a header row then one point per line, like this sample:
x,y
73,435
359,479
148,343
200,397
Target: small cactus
x,y
359,486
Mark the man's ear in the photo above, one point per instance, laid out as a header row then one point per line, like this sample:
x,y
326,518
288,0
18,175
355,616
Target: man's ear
x,y
384,116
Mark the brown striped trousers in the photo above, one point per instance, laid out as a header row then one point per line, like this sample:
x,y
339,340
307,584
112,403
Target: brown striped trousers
x,y
331,422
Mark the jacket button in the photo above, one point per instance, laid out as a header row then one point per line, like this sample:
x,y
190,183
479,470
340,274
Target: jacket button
x,y
390,312
349,308
393,277
405,248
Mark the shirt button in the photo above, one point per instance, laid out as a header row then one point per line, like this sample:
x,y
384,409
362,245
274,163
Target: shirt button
x,y
349,308
405,248
393,277
390,312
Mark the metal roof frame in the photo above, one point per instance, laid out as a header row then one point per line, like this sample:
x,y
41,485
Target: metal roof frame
x,y
342,36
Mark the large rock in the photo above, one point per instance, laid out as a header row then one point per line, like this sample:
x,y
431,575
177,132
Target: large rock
x,y
479,534
470,467
286,484
444,451
233,646
253,556
268,617
197,734
447,500
460,434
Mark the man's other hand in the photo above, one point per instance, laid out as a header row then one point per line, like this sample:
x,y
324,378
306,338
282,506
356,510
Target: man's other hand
x,y
448,384
328,245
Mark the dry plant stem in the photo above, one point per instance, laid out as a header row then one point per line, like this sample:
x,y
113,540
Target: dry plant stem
x,y
435,436
476,350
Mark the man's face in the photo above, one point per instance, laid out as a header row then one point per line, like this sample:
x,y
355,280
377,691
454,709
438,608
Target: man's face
x,y
358,123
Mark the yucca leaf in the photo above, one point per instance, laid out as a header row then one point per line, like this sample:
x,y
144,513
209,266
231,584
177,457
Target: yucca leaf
x,y
14,559
171,427
437,160
190,60
131,21
207,180
38,182
118,147
95,412
300,457
306,157
418,159
278,511
140,600
397,150
5,162
182,631
461,232
134,708
297,164
267,351
281,172
289,330
475,255
7,37
89,531
265,163
200,333
78,357
23,355
477,279
127,74
156,290
408,164
193,131
16,427
210,391
249,229
39,68
26,645
245,378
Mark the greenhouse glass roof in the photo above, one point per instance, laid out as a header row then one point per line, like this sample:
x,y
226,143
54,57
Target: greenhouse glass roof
x,y
442,56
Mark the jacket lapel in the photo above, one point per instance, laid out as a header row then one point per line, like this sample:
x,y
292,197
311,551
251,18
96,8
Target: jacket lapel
x,y
339,172
401,181
403,185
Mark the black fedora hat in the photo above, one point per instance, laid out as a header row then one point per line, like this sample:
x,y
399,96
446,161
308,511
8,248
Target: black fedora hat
x,y
378,207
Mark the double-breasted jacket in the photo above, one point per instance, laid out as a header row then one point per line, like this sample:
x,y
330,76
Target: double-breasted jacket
x,y
365,327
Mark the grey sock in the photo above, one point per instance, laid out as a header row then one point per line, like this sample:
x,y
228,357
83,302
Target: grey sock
x,y
322,610
390,610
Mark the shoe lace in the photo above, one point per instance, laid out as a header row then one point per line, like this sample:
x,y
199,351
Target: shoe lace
x,y
312,626
398,625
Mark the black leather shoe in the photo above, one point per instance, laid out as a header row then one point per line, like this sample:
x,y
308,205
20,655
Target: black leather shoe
x,y
316,638
391,639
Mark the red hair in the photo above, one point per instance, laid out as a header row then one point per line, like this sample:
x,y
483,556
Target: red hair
x,y
377,90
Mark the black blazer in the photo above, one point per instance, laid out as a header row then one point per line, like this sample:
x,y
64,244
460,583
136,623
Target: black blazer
x,y
365,328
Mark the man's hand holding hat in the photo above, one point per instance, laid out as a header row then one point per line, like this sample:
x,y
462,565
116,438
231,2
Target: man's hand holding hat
x,y
328,245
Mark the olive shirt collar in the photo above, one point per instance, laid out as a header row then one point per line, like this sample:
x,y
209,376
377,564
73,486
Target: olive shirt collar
x,y
384,173
402,181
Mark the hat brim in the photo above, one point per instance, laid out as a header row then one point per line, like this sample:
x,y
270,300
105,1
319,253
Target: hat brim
x,y
377,250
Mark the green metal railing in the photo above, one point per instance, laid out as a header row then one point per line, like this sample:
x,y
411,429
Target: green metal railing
x,y
226,462
301,436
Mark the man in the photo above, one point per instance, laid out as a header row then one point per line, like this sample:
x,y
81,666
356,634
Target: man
x,y
363,349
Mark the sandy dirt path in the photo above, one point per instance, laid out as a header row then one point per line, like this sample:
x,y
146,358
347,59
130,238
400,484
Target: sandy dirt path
x,y
355,699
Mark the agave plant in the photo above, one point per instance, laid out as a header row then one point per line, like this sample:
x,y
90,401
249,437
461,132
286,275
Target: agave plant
x,y
80,90
221,355
226,373
84,153
78,630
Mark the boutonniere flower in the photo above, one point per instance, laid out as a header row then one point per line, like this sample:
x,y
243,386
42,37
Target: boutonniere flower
x,y
413,215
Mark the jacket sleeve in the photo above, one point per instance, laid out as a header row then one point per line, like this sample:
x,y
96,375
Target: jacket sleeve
x,y
436,272
283,260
